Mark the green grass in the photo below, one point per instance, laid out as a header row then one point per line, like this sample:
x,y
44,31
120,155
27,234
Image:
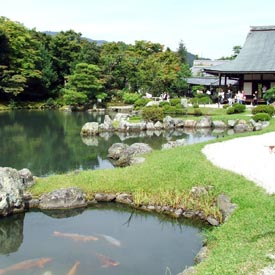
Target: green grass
x,y
239,246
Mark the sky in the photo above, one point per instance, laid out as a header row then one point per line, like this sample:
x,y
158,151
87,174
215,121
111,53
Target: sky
x,y
208,28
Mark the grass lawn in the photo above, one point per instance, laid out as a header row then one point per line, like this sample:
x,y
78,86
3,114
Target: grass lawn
x,y
239,246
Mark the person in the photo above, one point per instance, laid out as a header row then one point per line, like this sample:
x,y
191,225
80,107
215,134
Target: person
x,y
255,98
243,97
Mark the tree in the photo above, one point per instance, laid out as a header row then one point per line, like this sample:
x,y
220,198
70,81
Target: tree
x,y
182,52
83,84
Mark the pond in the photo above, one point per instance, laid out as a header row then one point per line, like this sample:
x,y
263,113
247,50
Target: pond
x,y
49,142
97,240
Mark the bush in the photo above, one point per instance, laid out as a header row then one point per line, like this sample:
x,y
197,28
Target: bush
x,y
72,97
197,112
175,101
270,95
169,109
196,105
201,99
268,109
261,117
230,110
141,102
239,108
153,113
130,98
164,103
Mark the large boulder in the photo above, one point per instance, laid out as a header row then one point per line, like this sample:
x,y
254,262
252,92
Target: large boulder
x,y
205,122
125,155
107,125
90,129
11,191
63,198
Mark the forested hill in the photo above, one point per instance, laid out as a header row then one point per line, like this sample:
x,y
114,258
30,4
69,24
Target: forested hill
x,y
98,42
71,69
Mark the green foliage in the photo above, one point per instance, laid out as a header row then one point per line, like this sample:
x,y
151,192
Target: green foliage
x,y
269,95
201,99
196,88
197,112
269,109
261,117
174,101
141,102
130,98
239,108
230,110
164,103
72,97
153,113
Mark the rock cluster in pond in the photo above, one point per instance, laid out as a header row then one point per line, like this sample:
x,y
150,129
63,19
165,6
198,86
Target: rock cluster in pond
x,y
121,124
125,155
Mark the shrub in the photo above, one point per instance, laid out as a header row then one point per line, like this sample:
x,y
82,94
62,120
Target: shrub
x,y
270,95
164,103
130,98
169,109
225,106
141,102
196,105
197,112
201,99
175,101
230,110
72,97
239,108
153,113
261,117
268,109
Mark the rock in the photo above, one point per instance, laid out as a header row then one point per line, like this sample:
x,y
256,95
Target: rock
x,y
150,126
205,122
241,126
124,198
136,160
63,198
178,212
218,124
184,102
179,123
190,123
121,116
138,149
90,129
11,191
231,123
202,255
107,125
158,125
225,206
104,197
212,221
168,122
26,177
116,150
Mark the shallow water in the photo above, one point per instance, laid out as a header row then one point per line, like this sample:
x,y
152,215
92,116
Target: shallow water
x,y
129,242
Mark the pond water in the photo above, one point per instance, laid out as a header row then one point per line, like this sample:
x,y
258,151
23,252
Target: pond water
x,y
99,240
49,142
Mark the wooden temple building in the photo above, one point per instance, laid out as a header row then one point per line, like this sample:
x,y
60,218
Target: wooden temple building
x,y
254,67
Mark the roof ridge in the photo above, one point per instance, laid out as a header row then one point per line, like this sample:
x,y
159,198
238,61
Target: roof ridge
x,y
262,28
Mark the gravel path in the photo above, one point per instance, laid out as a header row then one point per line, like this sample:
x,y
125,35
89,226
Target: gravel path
x,y
248,156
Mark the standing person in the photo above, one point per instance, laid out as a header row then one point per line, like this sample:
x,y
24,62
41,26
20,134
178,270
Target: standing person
x,y
243,98
255,98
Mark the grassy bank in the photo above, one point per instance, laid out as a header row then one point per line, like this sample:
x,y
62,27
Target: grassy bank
x,y
239,246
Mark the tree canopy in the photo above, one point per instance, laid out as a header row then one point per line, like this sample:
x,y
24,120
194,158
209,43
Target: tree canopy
x,y
36,65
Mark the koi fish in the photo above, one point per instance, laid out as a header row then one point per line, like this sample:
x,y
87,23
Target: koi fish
x,y
25,265
74,269
111,240
106,261
75,237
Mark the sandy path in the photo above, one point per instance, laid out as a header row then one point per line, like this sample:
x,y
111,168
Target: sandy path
x,y
248,156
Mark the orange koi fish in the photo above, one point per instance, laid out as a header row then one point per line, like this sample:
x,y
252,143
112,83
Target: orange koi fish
x,y
74,269
75,237
106,261
25,265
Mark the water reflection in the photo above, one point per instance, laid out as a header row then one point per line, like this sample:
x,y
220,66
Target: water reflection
x,y
11,233
116,240
49,142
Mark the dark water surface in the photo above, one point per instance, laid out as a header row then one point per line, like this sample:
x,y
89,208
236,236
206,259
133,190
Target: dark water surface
x,y
49,142
129,242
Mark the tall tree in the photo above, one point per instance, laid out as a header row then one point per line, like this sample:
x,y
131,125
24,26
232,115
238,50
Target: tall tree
x,y
182,52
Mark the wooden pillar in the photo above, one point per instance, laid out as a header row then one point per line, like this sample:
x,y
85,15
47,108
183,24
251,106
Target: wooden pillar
x,y
220,80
